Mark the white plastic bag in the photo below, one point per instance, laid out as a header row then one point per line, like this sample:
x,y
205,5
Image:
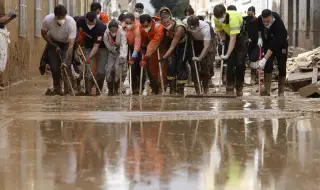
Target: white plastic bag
x,y
4,41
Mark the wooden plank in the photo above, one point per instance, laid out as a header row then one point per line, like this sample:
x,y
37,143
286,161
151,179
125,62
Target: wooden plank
x,y
315,75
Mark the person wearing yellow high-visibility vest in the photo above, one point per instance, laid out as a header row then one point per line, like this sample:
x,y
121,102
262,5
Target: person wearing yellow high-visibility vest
x,y
232,33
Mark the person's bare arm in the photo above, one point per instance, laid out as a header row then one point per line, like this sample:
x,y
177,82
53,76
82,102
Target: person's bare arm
x,y
206,45
3,19
269,54
94,50
44,34
70,48
178,35
232,44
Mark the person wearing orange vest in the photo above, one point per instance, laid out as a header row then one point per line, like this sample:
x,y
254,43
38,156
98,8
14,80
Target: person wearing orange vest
x,y
152,35
133,35
103,17
176,32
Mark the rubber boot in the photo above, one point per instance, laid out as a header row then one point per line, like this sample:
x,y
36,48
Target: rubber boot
x,y
116,88
57,90
205,84
180,90
173,86
253,77
281,84
229,90
88,87
239,91
1,82
267,84
110,89
155,87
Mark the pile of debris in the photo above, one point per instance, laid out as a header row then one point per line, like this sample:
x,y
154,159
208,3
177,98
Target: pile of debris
x,y
300,69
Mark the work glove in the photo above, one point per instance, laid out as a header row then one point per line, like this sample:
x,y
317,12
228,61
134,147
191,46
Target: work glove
x,y
88,60
222,42
144,62
262,63
260,42
131,61
12,13
196,59
224,57
254,65
135,55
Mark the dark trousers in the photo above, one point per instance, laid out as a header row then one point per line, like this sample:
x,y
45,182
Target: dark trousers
x,y
55,61
205,67
177,66
236,62
135,72
281,56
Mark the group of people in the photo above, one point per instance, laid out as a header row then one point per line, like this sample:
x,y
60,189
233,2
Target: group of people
x,y
262,39
160,51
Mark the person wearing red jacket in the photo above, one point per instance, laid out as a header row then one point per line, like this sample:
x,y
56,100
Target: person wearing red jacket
x,y
133,35
152,35
103,17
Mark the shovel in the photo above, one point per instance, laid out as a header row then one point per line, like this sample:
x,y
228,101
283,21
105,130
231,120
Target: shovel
x,y
141,78
220,82
85,66
160,70
221,69
259,70
196,68
63,67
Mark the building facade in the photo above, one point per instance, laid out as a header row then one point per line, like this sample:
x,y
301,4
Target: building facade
x,y
25,49
200,7
302,18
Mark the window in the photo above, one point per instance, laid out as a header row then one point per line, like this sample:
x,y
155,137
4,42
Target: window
x,y
38,20
23,18
308,19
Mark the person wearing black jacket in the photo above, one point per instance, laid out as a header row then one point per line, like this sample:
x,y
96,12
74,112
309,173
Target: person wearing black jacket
x,y
93,48
273,36
253,49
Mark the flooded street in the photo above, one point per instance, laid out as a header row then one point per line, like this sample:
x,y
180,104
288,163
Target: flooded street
x,y
128,143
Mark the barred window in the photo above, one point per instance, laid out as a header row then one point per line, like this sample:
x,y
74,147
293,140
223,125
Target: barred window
x,y
38,18
23,18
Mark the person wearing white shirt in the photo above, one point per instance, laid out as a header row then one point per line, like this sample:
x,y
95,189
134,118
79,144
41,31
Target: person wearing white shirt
x,y
59,30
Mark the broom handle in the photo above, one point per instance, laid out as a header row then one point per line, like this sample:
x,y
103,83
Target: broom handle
x,y
196,67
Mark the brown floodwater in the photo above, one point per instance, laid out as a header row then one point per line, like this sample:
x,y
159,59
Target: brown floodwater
x,y
81,143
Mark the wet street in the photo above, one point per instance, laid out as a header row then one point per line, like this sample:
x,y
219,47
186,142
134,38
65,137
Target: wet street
x,y
128,143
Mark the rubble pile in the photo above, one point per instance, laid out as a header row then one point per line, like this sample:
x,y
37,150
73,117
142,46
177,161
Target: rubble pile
x,y
303,61
300,69
295,51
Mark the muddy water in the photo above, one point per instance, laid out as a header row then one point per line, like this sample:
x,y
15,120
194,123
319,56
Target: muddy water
x,y
248,143
242,154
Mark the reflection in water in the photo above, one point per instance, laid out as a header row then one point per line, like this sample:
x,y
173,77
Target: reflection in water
x,y
246,154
